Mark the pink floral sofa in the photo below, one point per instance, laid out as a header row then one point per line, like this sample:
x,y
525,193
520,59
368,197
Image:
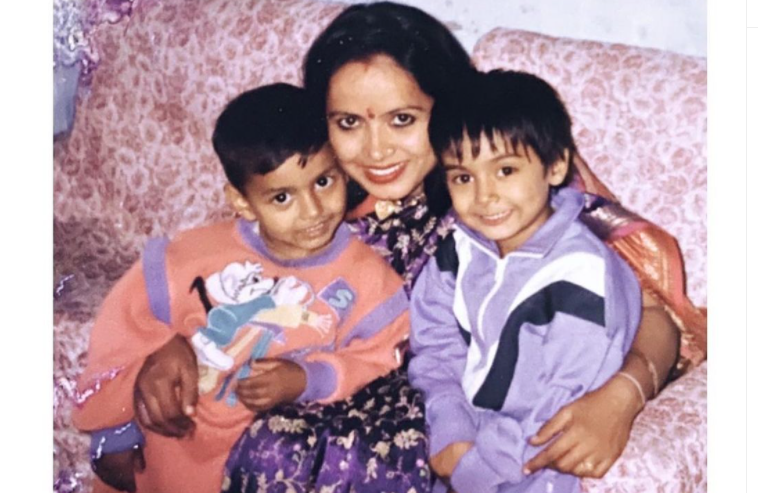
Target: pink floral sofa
x,y
139,163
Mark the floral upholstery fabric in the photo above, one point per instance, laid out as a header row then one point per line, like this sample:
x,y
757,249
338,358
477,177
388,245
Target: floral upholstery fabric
x,y
639,118
139,163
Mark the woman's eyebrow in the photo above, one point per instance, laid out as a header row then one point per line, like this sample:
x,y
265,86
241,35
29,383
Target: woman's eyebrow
x,y
332,114
406,108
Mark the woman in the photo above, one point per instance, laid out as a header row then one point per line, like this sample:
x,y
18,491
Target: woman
x,y
379,68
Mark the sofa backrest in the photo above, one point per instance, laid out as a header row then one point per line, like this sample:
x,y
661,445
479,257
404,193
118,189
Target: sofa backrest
x,y
639,121
139,162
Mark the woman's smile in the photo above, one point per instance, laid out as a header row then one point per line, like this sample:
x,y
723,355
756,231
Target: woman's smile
x,y
381,175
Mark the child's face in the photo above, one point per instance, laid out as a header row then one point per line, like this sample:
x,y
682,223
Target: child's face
x,y
502,193
298,208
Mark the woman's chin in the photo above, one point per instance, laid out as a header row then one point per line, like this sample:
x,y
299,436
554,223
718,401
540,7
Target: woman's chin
x,y
388,191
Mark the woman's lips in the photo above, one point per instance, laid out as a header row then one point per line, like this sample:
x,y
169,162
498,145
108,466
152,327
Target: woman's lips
x,y
385,175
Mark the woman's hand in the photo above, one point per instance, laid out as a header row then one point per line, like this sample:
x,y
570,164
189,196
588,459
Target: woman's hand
x,y
591,431
272,382
165,393
117,469
443,464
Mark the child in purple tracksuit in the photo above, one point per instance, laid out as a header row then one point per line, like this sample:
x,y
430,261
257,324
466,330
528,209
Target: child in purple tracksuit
x,y
523,309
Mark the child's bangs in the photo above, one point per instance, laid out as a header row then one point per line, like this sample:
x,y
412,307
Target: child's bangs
x,y
515,139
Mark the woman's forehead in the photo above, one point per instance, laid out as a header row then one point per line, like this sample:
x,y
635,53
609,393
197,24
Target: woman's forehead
x,y
373,85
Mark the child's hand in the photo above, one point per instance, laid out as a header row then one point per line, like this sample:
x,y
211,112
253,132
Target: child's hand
x,y
592,432
443,464
117,469
272,382
165,393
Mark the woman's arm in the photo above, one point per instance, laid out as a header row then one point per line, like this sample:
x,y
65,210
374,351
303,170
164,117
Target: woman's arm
x,y
595,428
166,391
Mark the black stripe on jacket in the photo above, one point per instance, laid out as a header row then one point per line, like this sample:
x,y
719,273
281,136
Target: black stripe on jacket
x,y
538,309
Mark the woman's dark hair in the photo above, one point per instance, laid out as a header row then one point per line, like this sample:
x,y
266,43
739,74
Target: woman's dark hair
x,y
418,42
519,107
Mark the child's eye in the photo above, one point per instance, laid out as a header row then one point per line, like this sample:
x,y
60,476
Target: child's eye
x,y
461,179
282,198
506,170
348,122
403,120
324,181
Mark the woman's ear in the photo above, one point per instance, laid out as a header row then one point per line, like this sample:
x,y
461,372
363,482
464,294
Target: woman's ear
x,y
557,172
238,202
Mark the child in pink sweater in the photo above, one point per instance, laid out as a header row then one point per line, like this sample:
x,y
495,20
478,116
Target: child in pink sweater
x,y
281,305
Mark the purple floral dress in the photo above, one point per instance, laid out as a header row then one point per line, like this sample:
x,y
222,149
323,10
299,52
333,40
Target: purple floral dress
x,y
372,442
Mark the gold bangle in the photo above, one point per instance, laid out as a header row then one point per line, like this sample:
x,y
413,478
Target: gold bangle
x,y
651,369
636,384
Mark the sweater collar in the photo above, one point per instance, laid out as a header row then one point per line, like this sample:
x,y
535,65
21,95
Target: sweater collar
x,y
249,230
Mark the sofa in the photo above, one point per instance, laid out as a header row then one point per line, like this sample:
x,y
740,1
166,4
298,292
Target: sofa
x,y
138,163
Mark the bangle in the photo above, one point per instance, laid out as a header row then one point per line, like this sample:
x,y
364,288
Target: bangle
x,y
636,384
651,369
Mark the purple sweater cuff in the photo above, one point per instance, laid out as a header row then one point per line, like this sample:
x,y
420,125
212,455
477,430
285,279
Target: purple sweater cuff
x,y
449,422
474,474
116,439
320,380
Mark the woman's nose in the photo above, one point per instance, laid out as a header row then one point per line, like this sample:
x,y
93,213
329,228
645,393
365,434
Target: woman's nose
x,y
378,145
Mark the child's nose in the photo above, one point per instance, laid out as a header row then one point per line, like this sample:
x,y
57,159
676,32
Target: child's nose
x,y
486,193
311,206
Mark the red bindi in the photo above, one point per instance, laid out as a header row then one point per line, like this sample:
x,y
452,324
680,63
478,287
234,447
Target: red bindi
x,y
370,113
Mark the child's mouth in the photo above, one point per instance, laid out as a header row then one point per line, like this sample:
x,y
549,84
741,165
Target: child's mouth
x,y
317,230
495,219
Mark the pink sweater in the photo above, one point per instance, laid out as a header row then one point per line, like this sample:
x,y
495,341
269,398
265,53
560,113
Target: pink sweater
x,y
340,314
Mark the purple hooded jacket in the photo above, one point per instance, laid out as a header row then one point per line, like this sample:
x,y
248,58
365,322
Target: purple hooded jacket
x,y
501,344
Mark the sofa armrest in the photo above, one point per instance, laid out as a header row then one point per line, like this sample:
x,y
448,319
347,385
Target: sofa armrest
x,y
667,450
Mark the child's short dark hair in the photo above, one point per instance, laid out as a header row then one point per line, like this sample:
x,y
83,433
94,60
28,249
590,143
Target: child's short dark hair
x,y
260,129
520,107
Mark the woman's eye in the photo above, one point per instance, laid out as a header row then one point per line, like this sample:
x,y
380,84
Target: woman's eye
x,y
347,122
506,170
461,179
324,181
282,198
403,119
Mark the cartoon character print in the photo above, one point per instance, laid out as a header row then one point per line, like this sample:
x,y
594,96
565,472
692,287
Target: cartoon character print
x,y
262,307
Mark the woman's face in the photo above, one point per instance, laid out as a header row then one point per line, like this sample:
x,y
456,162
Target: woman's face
x,y
378,118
